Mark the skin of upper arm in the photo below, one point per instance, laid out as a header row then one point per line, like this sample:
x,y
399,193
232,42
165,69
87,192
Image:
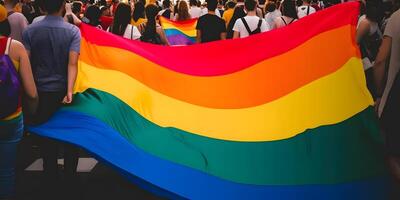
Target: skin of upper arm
x,y
73,58
25,70
223,36
236,34
198,37
160,31
384,51
362,31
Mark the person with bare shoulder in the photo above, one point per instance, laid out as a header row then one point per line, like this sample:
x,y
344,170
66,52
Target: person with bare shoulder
x,y
16,85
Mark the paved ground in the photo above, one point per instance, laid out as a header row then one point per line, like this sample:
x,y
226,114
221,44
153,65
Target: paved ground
x,y
101,183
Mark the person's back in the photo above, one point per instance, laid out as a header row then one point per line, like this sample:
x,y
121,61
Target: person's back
x,y
17,21
15,79
305,9
210,27
194,11
250,24
271,15
122,23
289,15
54,47
49,42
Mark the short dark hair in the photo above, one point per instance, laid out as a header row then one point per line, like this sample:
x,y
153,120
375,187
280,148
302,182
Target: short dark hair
x,y
230,4
270,7
289,9
166,4
193,2
212,5
53,6
5,29
12,2
374,10
76,7
250,5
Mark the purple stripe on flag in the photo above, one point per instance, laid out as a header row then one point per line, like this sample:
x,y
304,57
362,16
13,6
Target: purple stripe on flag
x,y
179,40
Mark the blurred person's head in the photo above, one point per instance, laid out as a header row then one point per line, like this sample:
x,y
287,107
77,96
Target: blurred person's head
x,y
54,6
138,12
5,29
92,15
105,11
76,8
11,3
212,5
250,5
270,7
166,4
374,10
230,5
288,9
183,11
122,18
193,2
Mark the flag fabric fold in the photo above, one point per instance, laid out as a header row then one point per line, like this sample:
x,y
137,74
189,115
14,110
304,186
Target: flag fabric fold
x,y
288,115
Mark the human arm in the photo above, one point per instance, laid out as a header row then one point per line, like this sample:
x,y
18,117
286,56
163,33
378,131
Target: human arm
x,y
28,83
362,30
236,28
380,65
236,34
72,65
72,73
198,36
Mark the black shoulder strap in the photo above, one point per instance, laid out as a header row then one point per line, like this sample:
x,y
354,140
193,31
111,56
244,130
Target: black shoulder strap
x,y
292,21
131,32
308,10
246,25
284,21
259,24
10,13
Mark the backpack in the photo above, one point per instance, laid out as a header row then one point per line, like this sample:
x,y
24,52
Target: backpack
x,y
9,85
255,31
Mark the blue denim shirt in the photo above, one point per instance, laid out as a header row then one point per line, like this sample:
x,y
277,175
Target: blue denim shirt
x,y
49,42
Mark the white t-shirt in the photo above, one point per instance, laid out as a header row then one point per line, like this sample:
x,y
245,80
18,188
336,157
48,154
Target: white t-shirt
x,y
195,12
271,16
252,21
302,11
131,32
38,19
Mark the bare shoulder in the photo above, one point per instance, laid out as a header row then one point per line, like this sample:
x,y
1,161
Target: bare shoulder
x,y
17,45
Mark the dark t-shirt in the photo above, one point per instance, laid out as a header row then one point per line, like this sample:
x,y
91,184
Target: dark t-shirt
x,y
49,42
211,27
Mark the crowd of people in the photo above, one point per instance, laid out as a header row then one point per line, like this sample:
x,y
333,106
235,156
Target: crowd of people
x,y
40,45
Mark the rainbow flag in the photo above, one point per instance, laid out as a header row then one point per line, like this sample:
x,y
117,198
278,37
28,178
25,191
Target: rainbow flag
x,y
179,32
287,116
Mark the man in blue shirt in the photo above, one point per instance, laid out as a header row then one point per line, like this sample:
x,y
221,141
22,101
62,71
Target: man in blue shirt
x,y
53,46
